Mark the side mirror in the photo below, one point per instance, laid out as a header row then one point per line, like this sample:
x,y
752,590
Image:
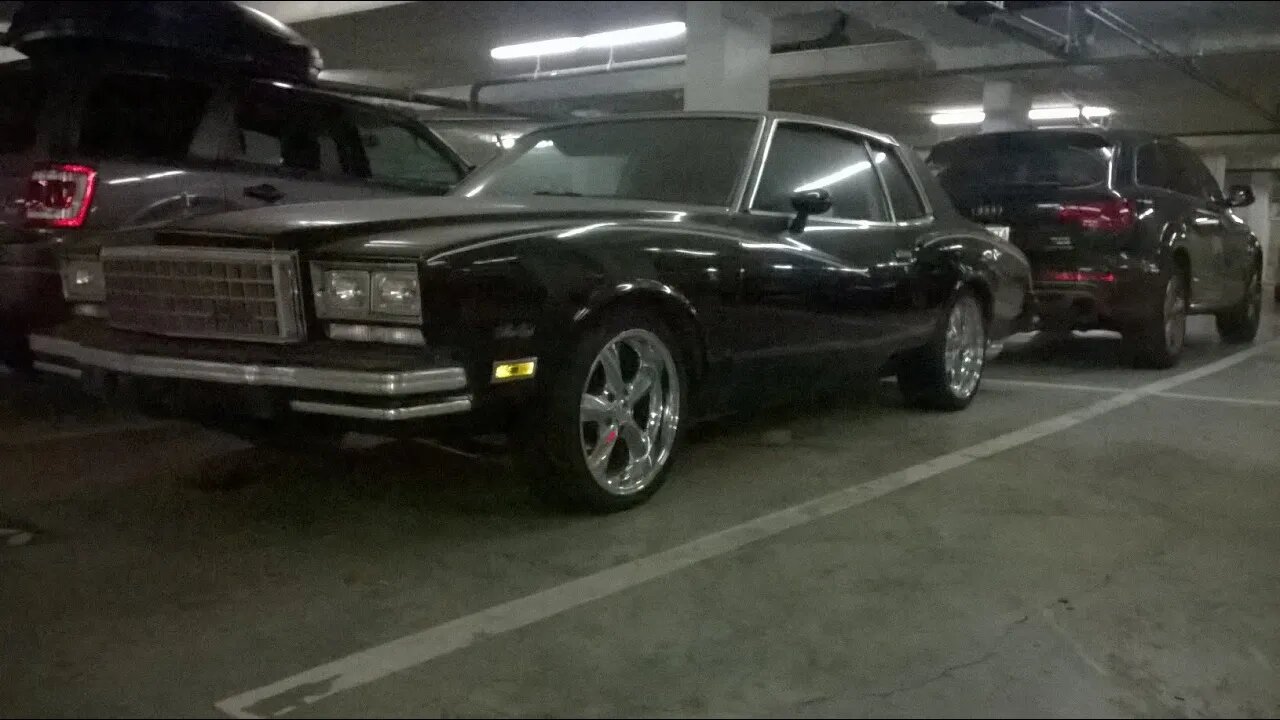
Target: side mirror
x,y
810,202
1239,196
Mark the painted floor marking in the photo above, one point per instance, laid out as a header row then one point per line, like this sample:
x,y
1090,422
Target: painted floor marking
x,y
115,428
1008,382
1035,384
380,661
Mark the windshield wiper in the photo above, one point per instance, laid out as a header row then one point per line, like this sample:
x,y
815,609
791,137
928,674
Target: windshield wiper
x,y
557,193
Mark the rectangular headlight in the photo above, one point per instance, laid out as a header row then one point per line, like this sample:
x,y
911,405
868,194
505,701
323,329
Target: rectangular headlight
x,y
347,292
396,293
82,280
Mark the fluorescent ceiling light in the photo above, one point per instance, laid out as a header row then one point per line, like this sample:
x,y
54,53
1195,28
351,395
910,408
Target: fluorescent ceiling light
x,y
634,36
612,38
1069,112
974,116
558,46
958,117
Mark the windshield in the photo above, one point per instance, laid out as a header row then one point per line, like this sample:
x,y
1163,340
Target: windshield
x,y
1020,160
696,161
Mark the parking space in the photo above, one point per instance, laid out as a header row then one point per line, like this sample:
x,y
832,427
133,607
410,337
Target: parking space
x,y
1063,545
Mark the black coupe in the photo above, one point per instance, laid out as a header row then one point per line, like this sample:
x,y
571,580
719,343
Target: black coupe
x,y
590,293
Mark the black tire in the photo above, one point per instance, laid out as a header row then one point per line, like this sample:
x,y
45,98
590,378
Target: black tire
x,y
1240,323
1157,341
922,376
551,448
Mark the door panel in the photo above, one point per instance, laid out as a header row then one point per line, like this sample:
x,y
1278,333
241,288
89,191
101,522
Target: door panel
x,y
833,298
1204,224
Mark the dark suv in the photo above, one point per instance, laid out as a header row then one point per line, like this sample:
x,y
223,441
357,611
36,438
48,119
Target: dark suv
x,y
1125,231
116,145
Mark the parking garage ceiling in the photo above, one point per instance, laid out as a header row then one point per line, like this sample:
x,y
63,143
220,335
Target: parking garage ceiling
x,y
923,56
887,65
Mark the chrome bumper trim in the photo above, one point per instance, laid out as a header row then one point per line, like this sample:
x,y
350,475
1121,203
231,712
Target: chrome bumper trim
x,y
413,382
447,407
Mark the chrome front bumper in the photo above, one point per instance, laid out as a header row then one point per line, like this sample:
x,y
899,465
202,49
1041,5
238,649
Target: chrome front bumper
x,y
69,358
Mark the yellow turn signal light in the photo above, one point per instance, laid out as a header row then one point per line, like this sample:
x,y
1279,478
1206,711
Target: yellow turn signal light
x,y
514,369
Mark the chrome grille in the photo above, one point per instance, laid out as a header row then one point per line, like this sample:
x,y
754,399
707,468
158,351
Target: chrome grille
x,y
204,293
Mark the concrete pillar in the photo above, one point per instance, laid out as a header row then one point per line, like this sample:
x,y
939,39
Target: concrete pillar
x,y
1258,215
726,57
1217,164
1005,105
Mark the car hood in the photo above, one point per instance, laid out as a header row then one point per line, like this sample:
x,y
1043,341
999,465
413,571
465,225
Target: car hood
x,y
411,226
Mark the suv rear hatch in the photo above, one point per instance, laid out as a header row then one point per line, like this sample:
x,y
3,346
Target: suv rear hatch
x,y
21,100
1052,189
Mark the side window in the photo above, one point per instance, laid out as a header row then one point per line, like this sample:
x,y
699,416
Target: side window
x,y
804,157
394,154
277,130
1206,185
1152,168
142,116
1182,174
902,190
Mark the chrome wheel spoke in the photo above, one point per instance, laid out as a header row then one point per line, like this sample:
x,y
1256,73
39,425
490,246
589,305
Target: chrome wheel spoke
x,y
645,379
594,409
598,459
637,441
612,366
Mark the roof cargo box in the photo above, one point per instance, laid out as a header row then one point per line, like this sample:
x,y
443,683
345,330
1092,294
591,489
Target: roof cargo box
x,y
219,33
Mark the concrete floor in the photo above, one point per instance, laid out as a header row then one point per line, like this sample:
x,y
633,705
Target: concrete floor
x,y
1122,561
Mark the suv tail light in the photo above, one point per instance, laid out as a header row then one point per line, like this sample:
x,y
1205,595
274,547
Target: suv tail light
x,y
60,195
1107,215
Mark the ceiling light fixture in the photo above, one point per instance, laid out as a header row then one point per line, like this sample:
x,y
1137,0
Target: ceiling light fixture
x,y
967,116
1067,112
558,46
634,36
609,39
975,116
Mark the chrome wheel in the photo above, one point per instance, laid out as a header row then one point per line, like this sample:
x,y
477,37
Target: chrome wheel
x,y
629,412
1175,314
966,347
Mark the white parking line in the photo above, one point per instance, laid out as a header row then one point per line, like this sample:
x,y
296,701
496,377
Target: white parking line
x,y
138,426
380,661
1036,384
1008,382
1220,399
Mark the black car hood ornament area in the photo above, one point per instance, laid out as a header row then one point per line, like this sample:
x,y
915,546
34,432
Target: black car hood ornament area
x,y
218,32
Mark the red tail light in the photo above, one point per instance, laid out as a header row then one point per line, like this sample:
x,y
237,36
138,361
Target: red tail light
x,y
60,195
1107,215
1077,276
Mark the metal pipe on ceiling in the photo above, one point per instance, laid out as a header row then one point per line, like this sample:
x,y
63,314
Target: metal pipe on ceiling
x,y
1188,67
600,69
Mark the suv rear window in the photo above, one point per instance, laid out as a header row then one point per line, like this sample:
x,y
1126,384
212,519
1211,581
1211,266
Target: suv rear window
x,y
1057,160
20,100
142,116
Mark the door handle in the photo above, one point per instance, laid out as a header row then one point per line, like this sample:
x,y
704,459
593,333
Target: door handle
x,y
265,191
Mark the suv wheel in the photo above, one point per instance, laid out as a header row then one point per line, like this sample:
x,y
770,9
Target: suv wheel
x,y
1157,342
614,416
1240,323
